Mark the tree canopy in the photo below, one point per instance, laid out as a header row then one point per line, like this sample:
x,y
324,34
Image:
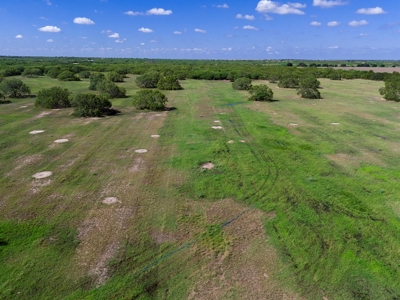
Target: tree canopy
x,y
91,105
14,88
391,91
169,83
261,93
148,79
242,83
288,81
55,97
67,76
149,99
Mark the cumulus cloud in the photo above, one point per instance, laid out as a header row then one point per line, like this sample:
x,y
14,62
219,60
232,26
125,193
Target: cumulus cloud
x,y
371,11
159,12
133,13
334,47
333,23
328,3
223,5
358,23
200,30
364,34
177,32
50,41
19,36
83,21
248,27
315,23
114,35
119,41
50,29
247,17
146,30
267,6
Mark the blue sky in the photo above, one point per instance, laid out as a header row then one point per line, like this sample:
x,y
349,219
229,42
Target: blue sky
x,y
207,29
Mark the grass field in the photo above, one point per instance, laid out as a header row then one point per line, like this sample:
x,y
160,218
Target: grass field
x,y
303,204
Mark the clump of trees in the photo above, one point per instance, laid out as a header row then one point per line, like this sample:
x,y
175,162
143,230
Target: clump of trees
x,y
261,93
148,80
32,72
98,82
391,91
68,76
84,74
92,105
308,87
55,97
288,81
14,88
242,83
149,99
115,77
169,83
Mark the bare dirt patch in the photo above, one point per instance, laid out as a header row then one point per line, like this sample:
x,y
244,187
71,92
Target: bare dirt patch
x,y
27,161
335,123
155,136
242,141
37,184
141,151
137,165
216,127
293,124
111,200
36,131
41,175
217,121
230,142
60,141
207,165
43,114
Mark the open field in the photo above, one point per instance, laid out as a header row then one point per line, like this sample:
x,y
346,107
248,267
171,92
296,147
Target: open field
x,y
306,195
375,69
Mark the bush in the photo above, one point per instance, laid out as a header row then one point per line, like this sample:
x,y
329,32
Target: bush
x,y
84,74
242,83
169,83
261,93
309,93
54,97
110,89
391,91
149,99
288,82
67,76
14,88
91,105
54,72
148,80
335,76
32,72
95,78
115,77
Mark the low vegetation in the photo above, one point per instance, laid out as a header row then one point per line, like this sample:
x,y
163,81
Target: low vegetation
x,y
91,105
242,83
55,97
261,92
149,99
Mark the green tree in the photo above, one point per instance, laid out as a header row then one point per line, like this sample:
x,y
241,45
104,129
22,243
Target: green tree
x,y
95,78
54,72
288,81
261,93
335,76
149,99
110,89
67,76
84,74
54,97
242,83
32,72
148,80
91,105
169,83
14,88
391,91
115,77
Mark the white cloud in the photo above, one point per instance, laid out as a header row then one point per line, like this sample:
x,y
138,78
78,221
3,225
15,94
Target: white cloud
x,y
248,27
48,2
159,12
114,35
50,41
108,31
119,41
19,36
247,17
177,32
328,3
364,34
267,6
315,23
133,13
371,11
145,30
153,41
358,23
200,30
141,44
334,47
50,29
83,21
333,23
223,5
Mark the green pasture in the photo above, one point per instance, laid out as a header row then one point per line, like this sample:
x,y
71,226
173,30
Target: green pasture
x,y
327,170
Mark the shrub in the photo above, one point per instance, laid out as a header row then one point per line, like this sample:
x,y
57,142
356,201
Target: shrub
x,y
91,105
54,72
169,83
95,78
54,97
391,91
110,89
261,93
309,93
14,88
149,99
288,82
335,76
67,76
32,72
242,83
84,74
115,77
148,80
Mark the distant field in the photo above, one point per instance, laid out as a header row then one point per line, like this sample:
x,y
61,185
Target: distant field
x,y
375,69
302,201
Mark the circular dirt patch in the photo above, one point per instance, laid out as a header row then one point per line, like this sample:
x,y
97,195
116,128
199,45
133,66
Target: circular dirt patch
x,y
155,136
141,151
207,165
293,124
217,127
24,106
36,131
242,141
41,175
217,121
110,200
335,123
60,141
230,142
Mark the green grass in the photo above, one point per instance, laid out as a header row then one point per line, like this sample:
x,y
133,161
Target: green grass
x,y
333,189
